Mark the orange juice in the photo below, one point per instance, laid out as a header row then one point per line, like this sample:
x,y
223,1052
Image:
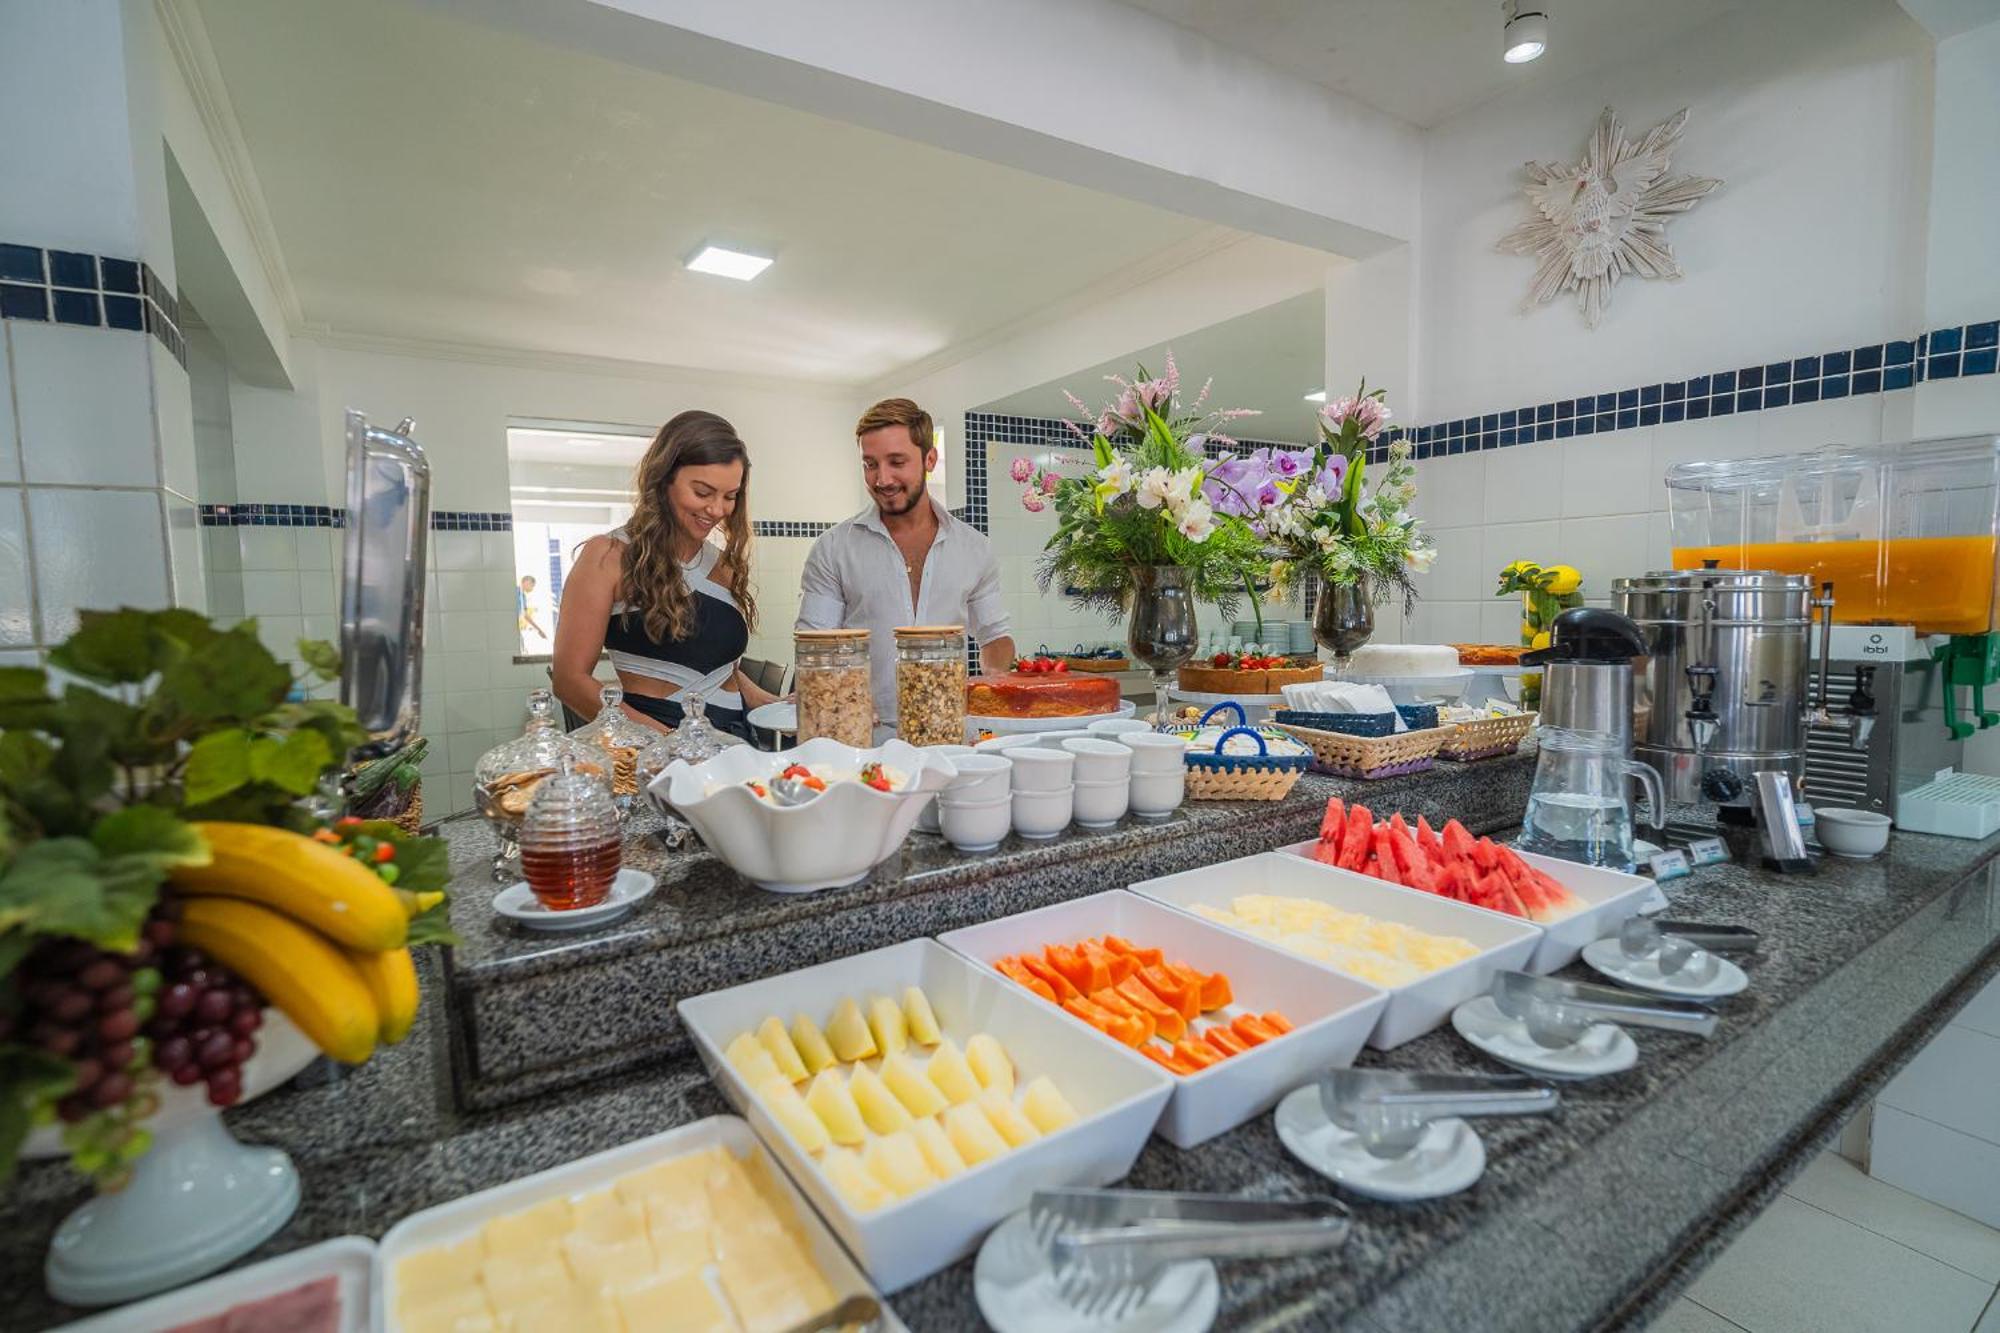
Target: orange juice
x,y
1941,585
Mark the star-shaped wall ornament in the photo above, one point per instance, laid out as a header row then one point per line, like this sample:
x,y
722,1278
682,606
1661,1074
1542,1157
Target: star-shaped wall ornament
x,y
1606,216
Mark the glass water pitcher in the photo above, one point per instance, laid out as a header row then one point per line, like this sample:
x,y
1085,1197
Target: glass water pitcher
x,y
1580,808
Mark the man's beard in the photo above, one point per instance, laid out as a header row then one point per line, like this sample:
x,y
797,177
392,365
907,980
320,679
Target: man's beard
x,y
916,498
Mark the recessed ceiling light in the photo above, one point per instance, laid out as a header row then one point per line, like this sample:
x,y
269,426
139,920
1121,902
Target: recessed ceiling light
x,y
726,263
1524,33
1318,396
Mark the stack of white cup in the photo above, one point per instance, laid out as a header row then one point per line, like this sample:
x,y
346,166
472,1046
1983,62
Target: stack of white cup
x,y
975,811
1044,790
1103,780
1159,772
927,818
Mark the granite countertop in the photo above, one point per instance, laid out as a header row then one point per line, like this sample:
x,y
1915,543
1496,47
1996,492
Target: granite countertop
x,y
1590,1218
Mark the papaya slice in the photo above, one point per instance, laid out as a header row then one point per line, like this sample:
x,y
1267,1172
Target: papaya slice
x,y
1054,980
1013,970
1143,957
1167,1021
1175,993
1224,1040
1075,967
1166,1059
1252,1030
1135,1018
1094,1014
1116,967
1276,1021
1197,1053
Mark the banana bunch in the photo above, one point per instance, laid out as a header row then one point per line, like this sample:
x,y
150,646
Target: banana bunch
x,y
320,935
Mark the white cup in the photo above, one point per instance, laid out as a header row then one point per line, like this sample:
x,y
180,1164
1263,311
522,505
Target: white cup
x,y
1155,752
981,777
1100,760
1102,804
1043,814
1118,726
976,827
1158,794
1036,769
927,818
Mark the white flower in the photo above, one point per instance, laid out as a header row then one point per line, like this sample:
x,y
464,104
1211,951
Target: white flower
x,y
1116,476
1326,539
1420,558
1180,487
1197,520
1315,497
1155,487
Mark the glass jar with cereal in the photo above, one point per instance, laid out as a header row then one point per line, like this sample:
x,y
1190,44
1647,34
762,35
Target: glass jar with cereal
x,y
930,684
834,697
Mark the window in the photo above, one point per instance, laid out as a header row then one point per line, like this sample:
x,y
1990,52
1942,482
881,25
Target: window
x,y
569,483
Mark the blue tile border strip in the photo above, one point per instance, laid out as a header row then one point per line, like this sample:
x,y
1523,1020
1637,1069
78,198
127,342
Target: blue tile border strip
x,y
766,527
88,291
258,515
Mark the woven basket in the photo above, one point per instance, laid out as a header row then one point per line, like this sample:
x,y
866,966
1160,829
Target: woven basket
x,y
1417,717
1488,738
411,820
1371,757
1246,777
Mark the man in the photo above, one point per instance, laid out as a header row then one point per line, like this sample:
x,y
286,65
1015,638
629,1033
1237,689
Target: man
x,y
904,560
524,610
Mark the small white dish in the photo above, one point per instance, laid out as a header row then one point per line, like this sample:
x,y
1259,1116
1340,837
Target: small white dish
x,y
1605,1049
927,818
1857,835
778,715
1102,804
981,777
1448,1160
1155,751
1607,957
1038,769
517,902
1043,814
976,826
1100,760
1156,795
1016,1291
1118,726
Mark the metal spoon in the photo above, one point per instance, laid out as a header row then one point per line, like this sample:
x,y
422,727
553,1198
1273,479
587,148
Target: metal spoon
x,y
792,791
1683,948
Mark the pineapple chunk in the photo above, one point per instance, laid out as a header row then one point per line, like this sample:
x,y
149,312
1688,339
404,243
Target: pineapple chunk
x,y
885,1020
973,1134
850,1179
783,1053
879,1107
683,1301
605,1217
598,1265
750,1058
834,1105
898,1163
513,1280
789,1109
848,1032
918,1094
531,1231
811,1044
936,1147
917,1012
1014,1127
440,1270
1046,1107
947,1069
990,1064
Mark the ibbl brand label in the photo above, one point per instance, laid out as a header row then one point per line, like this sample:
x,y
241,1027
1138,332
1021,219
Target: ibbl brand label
x,y
1707,851
1670,865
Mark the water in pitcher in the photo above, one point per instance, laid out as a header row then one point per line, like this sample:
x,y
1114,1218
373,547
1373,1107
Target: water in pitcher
x,y
1592,830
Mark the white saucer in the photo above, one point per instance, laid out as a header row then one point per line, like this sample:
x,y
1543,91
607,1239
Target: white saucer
x,y
1655,902
774,716
1606,957
1450,1158
517,902
1016,1291
1605,1049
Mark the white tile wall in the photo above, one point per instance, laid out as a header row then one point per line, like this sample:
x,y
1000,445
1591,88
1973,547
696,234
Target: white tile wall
x,y
173,409
1936,1162
17,624
10,440
86,415
96,549
187,552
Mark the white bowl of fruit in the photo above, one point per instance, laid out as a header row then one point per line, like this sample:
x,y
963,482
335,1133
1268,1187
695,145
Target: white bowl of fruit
x,y
817,816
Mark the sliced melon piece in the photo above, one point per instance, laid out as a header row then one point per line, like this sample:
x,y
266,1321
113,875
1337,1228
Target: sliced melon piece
x,y
789,1109
783,1053
919,1096
834,1105
879,1107
1045,1106
973,1134
885,1020
750,1059
990,1064
947,1068
1014,1127
917,1012
936,1147
848,1032
857,1189
810,1043
898,1163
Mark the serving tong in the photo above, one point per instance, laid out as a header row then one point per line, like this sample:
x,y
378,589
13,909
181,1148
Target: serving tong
x,y
1108,1249
1389,1111
1685,949
1557,1013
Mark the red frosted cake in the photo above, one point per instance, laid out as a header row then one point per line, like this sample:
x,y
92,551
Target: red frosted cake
x,y
1040,687
1242,673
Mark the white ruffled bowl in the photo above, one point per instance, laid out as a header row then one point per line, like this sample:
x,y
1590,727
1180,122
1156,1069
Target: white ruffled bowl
x,y
826,843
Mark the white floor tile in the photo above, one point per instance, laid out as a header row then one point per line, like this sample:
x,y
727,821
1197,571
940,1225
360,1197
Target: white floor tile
x,y
1684,1316
1837,1186
1797,1269
1955,1080
1933,1162
1990,1321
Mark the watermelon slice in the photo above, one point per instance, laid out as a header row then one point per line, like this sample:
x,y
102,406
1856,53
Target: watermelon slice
x,y
1355,841
1427,839
1336,817
1458,843
1485,855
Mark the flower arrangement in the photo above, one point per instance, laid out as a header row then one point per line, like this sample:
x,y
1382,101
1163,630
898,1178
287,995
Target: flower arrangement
x,y
1144,501
1316,508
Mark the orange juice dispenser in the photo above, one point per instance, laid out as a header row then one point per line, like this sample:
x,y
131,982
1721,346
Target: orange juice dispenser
x,y
1902,537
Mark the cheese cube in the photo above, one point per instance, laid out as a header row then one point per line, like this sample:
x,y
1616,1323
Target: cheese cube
x,y
683,1250
516,1280
528,1231
680,1304
605,1217
440,1270
597,1264
771,1297
571,1310
445,1310
676,1175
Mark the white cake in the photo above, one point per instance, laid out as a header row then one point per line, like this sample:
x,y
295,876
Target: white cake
x,y
1403,659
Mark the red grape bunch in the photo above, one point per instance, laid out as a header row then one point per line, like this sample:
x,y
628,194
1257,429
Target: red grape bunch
x,y
205,1025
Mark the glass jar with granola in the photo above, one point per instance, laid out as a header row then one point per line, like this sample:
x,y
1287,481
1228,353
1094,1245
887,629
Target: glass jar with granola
x,y
834,698
930,684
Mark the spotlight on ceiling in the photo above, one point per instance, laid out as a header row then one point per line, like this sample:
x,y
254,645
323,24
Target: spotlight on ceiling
x,y
724,262
1525,32
1318,396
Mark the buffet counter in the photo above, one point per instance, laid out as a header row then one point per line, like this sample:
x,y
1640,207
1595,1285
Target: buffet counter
x,y
1592,1217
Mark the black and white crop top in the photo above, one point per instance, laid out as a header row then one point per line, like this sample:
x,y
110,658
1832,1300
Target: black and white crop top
x,y
704,660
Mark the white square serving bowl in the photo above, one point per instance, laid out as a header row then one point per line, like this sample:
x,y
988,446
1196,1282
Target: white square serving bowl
x,y
454,1221
1413,1009
1610,896
1117,1100
1331,1014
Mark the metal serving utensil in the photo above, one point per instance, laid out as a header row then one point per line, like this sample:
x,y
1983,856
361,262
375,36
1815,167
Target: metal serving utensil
x,y
1389,1110
792,791
1109,1248
1559,1013
1683,948
862,1312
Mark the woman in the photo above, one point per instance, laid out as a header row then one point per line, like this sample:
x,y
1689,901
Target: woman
x,y
674,611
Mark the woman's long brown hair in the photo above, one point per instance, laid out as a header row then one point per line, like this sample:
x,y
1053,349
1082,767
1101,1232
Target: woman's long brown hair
x,y
653,584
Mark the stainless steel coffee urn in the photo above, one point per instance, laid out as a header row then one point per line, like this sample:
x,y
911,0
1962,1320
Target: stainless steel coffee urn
x,y
1587,672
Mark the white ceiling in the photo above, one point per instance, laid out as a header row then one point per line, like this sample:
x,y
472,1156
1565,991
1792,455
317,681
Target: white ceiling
x,y
431,178
595,448
1268,359
1428,60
